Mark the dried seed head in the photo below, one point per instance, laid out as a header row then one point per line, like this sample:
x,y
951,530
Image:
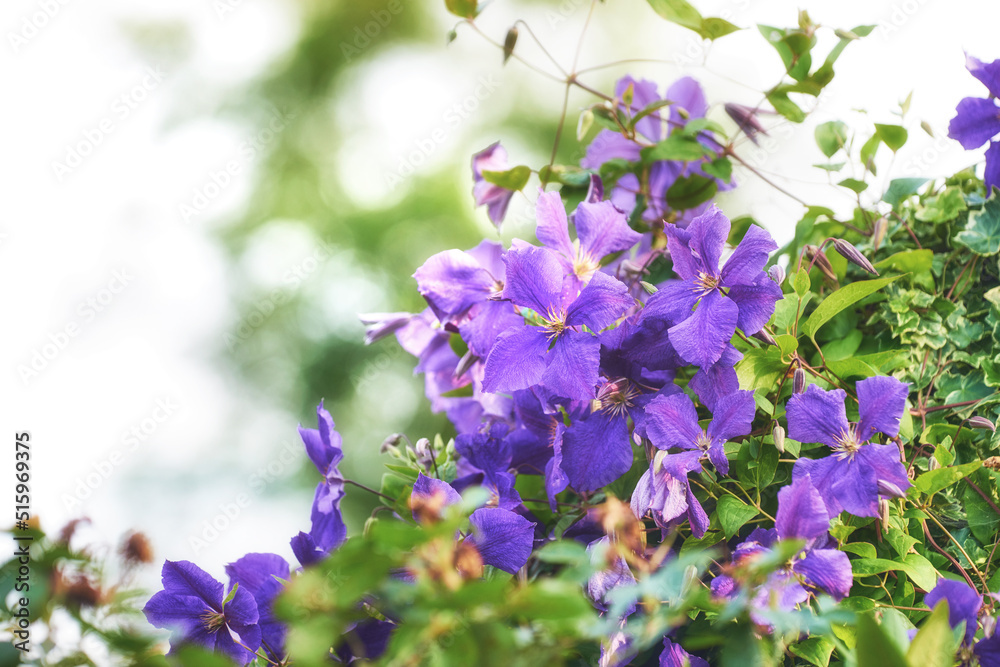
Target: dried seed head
x,y
993,463
136,549
778,432
777,273
854,255
799,381
981,422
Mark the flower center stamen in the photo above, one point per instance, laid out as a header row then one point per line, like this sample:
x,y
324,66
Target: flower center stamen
x,y
847,443
706,281
616,397
213,620
703,442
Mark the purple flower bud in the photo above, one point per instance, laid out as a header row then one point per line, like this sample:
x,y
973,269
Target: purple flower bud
x,y
746,118
392,442
886,488
764,337
819,260
777,273
380,325
879,231
798,381
779,438
595,191
883,513
981,422
494,197
854,255
465,363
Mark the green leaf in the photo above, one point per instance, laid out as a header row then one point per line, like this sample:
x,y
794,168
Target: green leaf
x,y
786,107
831,137
512,179
843,298
231,594
868,151
908,261
721,168
760,368
918,568
467,9
982,231
565,552
893,136
854,184
943,207
983,519
934,645
734,514
567,175
676,147
801,282
901,188
689,191
815,650
933,481
684,14
875,648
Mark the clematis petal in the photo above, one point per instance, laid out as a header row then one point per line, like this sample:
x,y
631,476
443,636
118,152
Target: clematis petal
x,y
828,570
992,174
686,93
517,360
976,121
644,93
259,573
732,416
702,338
184,578
573,366
884,461
709,232
672,421
696,515
600,303
553,226
964,603
718,380
674,656
673,302
596,451
603,229
452,282
987,73
534,279
749,258
801,511
249,639
608,145
817,416
487,321
642,496
881,401
428,487
503,538
756,303
844,484
686,263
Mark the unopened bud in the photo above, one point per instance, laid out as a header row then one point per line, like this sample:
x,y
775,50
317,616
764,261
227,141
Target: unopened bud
x,y
889,489
777,273
883,513
854,255
879,232
465,363
509,43
981,422
380,325
989,624
778,433
649,288
746,118
798,381
933,463
595,190
820,261
392,442
764,337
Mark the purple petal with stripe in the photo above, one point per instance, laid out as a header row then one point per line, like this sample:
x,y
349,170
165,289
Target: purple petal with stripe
x,y
817,416
987,73
732,416
517,360
702,338
801,511
976,121
749,258
452,282
672,421
552,224
503,538
601,302
573,366
844,484
534,279
881,402
596,451
829,570
603,229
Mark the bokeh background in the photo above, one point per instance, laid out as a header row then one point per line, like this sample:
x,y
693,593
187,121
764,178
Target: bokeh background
x,y
201,195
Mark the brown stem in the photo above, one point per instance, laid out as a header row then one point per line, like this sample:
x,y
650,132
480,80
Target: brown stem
x,y
954,561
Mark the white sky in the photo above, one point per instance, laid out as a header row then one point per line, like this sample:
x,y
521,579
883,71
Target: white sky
x,y
64,237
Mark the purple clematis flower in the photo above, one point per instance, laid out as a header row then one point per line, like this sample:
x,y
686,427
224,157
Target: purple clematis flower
x,y
977,120
857,473
740,294
601,230
609,577
494,197
964,603
672,422
191,606
503,538
323,446
675,656
665,492
555,353
802,515
262,575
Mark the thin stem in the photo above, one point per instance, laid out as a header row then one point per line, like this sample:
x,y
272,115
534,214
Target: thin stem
x,y
961,549
954,561
583,32
513,55
369,490
542,46
765,178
